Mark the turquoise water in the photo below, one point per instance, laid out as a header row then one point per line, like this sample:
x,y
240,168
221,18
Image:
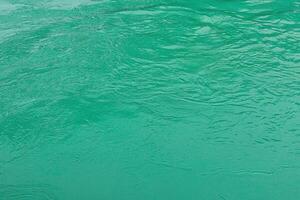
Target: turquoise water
x,y
149,100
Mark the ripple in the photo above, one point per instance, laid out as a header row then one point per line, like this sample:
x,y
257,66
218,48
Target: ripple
x,y
7,7
26,192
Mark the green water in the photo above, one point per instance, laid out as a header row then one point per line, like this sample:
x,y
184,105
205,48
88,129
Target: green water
x,y
149,100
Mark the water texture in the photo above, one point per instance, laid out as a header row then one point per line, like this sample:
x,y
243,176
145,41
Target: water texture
x,y
149,99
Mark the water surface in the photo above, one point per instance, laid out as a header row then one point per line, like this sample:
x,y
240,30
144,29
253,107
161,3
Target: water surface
x,y
149,99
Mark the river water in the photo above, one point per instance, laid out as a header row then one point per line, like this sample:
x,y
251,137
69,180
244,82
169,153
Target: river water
x,y
149,99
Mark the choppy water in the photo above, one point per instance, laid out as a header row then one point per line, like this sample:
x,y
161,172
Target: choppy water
x,y
149,99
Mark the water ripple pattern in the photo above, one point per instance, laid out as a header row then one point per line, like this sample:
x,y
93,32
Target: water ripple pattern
x,y
149,99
